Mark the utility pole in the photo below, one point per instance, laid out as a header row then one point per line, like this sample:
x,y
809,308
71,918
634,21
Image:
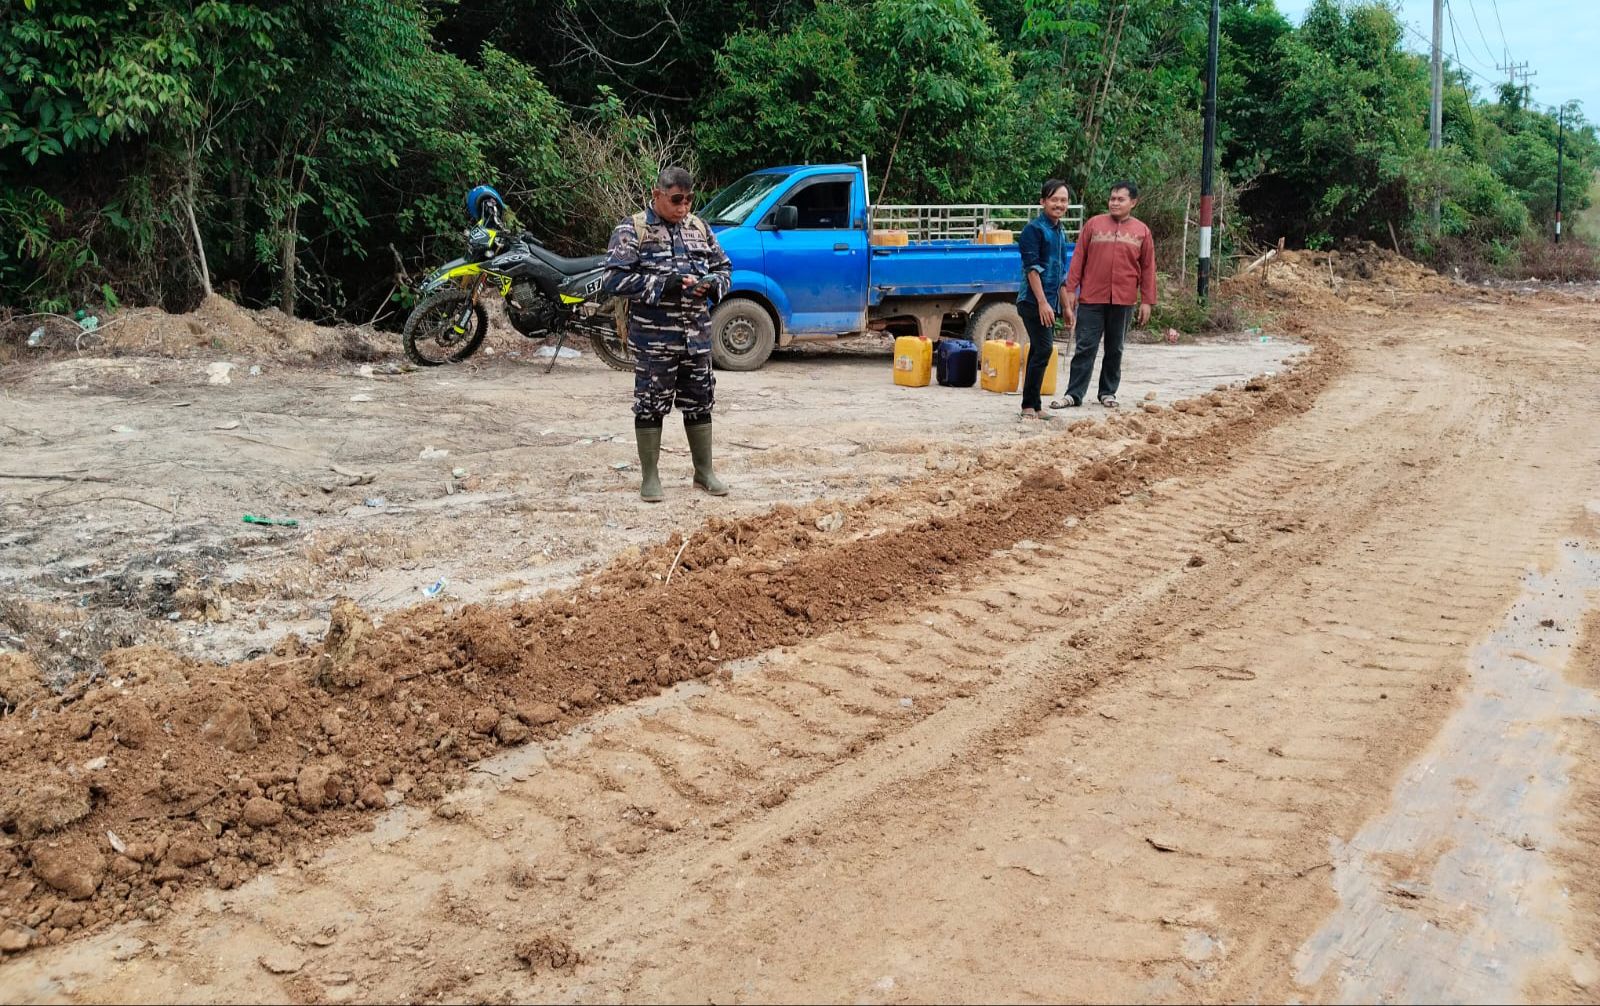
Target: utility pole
x,y
1207,154
1436,109
1515,70
1561,142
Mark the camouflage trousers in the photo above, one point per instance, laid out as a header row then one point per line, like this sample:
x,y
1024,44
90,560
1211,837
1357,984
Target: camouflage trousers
x,y
668,375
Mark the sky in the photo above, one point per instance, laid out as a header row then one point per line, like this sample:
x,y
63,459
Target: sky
x,y
1558,39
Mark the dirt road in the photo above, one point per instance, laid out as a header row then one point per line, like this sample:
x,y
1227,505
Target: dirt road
x,y
1295,710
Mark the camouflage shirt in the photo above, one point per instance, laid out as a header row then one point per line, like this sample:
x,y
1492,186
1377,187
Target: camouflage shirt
x,y
637,267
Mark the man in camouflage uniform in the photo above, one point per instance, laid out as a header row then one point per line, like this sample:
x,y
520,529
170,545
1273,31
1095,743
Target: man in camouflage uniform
x,y
668,263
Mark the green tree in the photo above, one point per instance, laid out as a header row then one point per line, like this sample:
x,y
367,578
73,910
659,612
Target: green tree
x,y
311,154
289,137
921,86
1351,110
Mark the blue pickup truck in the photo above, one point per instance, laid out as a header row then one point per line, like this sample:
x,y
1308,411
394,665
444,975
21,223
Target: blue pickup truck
x,y
813,258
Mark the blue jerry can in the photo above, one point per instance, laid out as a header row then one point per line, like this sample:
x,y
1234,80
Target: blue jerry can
x,y
956,363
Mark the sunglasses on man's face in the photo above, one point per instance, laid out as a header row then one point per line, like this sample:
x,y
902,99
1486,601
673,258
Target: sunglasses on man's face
x,y
679,198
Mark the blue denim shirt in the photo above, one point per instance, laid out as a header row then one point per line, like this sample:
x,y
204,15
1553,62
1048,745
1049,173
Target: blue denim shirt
x,y
1044,251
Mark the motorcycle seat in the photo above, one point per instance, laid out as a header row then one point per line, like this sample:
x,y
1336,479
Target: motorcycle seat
x,y
566,266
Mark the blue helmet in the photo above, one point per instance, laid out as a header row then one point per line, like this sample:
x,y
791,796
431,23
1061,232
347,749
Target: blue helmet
x,y
475,198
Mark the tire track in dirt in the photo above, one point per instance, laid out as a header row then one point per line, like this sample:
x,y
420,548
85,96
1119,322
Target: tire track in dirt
x,y
1348,728
700,787
1577,981
696,793
1174,951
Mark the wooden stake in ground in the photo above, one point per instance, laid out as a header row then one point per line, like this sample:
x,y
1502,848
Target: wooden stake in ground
x,y
675,559
1183,253
1271,254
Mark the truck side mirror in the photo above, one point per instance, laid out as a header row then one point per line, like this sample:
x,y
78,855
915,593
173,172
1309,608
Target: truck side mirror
x,y
784,218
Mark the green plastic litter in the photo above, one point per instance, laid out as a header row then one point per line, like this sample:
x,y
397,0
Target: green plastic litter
x,y
272,521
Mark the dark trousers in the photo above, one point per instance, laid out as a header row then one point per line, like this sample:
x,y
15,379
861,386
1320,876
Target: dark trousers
x,y
1097,321
667,375
1040,340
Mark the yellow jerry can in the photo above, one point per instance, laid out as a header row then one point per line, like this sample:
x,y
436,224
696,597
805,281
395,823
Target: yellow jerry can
x,y
913,361
1000,361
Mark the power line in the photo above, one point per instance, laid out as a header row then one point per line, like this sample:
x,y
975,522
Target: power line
x,y
1473,7
1516,70
1427,42
1457,49
1505,46
1528,102
1454,45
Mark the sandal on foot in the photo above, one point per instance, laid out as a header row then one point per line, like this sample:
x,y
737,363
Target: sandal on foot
x,y
1065,402
1109,401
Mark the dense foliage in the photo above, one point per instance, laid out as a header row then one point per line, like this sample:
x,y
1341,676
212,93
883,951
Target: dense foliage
x,y
314,155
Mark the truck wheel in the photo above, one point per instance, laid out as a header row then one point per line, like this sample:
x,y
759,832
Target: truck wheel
x,y
742,335
997,319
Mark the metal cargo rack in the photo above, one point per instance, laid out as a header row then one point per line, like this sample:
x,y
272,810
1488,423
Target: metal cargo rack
x,y
940,222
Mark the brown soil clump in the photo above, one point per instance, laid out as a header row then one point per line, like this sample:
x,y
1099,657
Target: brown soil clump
x,y
19,680
45,807
548,953
74,869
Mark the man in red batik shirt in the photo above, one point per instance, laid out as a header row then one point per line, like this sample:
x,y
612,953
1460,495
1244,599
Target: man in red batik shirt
x,y
1113,269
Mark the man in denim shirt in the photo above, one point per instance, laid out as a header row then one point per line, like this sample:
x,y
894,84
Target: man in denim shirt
x,y
1044,258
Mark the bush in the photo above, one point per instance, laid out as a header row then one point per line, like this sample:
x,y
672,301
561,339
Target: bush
x,y
1182,310
1541,258
610,159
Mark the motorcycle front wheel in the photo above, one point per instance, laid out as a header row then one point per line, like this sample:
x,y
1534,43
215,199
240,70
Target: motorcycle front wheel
x,y
434,334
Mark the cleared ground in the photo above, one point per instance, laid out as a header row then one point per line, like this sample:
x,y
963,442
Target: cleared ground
x,y
548,484
1281,694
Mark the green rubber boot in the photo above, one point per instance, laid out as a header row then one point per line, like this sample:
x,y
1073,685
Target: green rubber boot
x,y
700,447
649,440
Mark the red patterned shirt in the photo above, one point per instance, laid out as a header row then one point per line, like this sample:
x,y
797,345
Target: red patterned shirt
x,y
1113,263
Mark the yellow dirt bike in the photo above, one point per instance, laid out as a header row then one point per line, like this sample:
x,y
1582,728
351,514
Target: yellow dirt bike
x,y
545,294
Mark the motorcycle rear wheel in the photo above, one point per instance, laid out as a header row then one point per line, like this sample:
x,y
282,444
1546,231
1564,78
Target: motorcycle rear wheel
x,y
611,347
430,339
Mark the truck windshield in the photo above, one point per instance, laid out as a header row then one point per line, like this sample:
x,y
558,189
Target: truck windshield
x,y
736,202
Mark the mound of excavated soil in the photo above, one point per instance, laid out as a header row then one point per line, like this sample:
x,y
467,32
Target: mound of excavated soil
x,y
1317,280
169,773
218,325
